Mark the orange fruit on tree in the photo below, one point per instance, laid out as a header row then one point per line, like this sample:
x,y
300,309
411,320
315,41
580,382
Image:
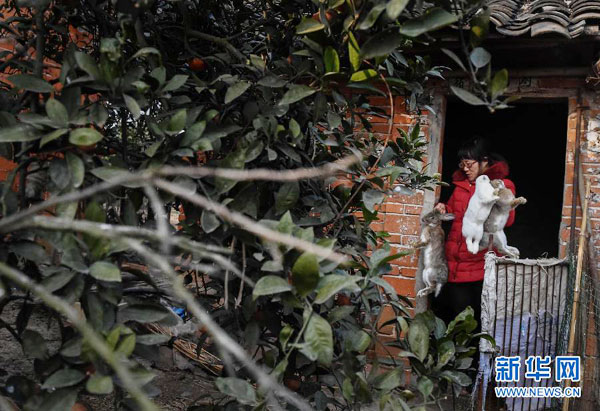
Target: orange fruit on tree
x,y
197,64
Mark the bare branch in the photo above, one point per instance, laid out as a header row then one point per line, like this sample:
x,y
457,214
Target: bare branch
x,y
262,173
220,337
249,224
162,221
117,232
126,178
88,333
217,40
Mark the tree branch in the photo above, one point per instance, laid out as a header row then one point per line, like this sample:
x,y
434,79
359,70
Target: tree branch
x,y
220,337
88,333
218,41
248,224
136,178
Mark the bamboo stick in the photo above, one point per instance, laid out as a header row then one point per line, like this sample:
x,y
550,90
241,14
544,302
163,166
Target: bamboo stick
x,y
580,251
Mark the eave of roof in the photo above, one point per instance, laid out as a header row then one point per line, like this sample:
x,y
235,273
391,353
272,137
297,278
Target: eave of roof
x,y
567,18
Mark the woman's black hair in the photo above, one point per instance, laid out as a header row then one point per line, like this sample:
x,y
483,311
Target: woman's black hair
x,y
478,148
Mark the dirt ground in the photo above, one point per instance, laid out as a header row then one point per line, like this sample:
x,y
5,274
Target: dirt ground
x,y
181,384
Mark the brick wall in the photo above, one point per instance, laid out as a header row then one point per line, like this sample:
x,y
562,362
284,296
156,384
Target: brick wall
x,y
400,214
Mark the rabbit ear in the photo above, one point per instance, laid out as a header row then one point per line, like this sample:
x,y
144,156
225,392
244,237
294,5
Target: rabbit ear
x,y
448,217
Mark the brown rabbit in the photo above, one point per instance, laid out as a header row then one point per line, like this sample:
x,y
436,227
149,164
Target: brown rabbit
x,y
496,221
435,267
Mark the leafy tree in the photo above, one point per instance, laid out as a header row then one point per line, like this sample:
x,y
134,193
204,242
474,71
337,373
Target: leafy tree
x,y
249,120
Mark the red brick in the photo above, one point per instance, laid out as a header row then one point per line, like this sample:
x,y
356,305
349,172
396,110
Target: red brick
x,y
408,272
402,224
387,314
413,209
394,208
416,198
402,286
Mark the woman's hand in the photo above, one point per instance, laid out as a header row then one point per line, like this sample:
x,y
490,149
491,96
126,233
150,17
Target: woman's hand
x,y
441,207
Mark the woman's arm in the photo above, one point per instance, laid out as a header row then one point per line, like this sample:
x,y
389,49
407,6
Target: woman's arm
x,y
511,216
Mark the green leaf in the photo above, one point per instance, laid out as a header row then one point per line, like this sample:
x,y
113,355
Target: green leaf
x,y
305,273
363,75
84,136
309,25
418,339
105,271
332,284
58,280
57,112
446,352
294,128
332,60
63,378
30,83
34,345
87,64
395,7
50,136
271,82
110,173
76,169
236,90
270,284
296,93
177,81
193,134
371,17
285,334
318,340
456,377
132,106
209,221
380,45
467,96
454,57
286,196
127,345
99,384
144,51
339,313
60,400
480,57
353,52
237,388
389,380
425,387
18,133
152,339
358,341
177,121
143,313
30,251
499,83
433,19
371,198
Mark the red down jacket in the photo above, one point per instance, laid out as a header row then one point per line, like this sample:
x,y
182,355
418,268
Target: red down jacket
x,y
462,265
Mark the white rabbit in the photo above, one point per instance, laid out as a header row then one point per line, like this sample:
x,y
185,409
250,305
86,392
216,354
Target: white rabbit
x,y
478,210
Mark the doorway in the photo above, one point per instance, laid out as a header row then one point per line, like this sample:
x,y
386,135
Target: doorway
x,y
531,136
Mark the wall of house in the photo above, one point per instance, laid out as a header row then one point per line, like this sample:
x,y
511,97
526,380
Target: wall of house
x,y
400,214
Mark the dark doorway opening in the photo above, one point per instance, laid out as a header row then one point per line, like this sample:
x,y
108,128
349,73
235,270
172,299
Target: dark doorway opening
x,y
532,138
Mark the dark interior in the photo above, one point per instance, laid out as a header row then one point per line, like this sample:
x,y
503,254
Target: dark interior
x,y
532,138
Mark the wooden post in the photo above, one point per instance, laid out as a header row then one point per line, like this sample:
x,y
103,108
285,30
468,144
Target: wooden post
x,y
575,309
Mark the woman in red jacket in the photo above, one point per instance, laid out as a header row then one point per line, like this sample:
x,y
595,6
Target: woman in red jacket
x,y
465,270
